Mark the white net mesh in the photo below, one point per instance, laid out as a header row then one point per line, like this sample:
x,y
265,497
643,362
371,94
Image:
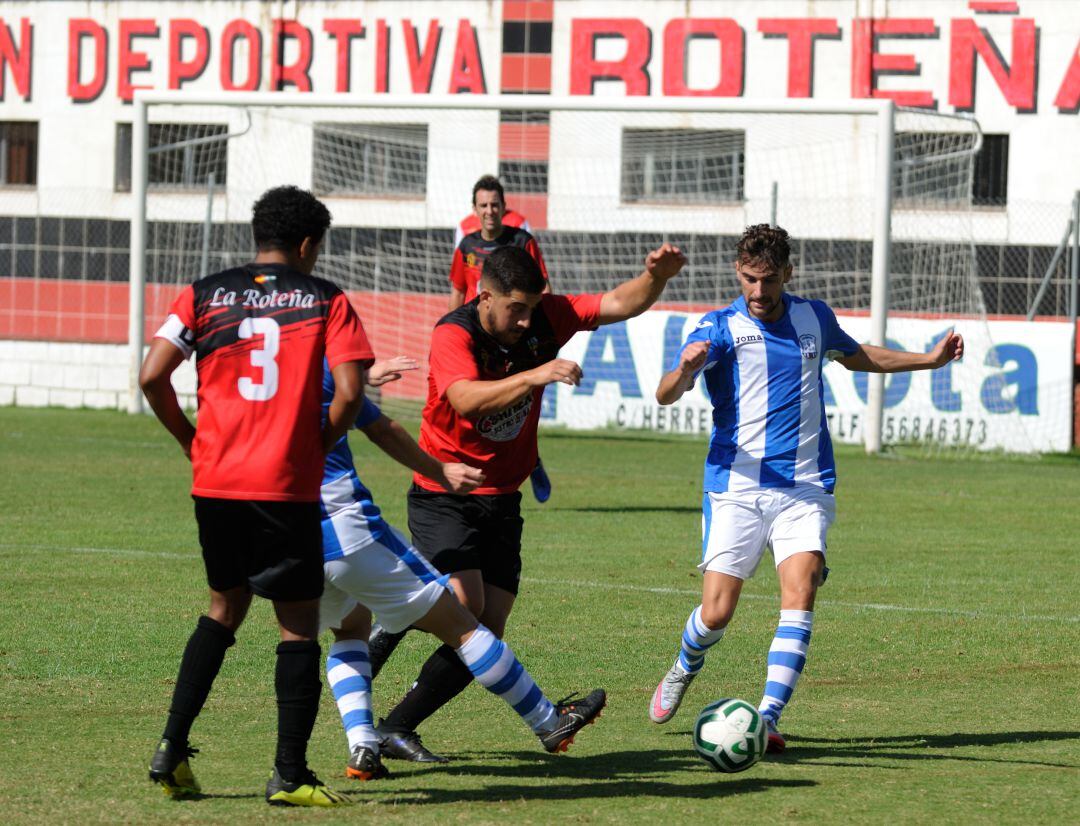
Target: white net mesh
x,y
618,183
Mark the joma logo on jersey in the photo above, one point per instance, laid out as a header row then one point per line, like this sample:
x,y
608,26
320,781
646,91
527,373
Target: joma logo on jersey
x,y
257,299
750,339
808,345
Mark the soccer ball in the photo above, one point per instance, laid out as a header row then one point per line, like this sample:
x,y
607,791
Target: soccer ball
x,y
730,735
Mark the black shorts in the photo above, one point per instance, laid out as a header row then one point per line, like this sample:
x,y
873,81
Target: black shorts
x,y
273,548
471,532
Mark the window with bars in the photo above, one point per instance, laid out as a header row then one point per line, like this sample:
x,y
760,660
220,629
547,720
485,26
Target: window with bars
x,y
991,184
370,159
18,153
690,166
182,156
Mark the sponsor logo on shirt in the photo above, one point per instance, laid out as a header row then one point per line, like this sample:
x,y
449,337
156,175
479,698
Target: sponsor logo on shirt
x,y
505,425
701,325
808,345
752,338
263,278
257,299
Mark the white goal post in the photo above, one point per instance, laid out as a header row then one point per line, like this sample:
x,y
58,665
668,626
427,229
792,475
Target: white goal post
x,y
881,111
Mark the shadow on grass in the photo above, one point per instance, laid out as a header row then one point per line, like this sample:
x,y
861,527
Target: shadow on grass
x,y
922,747
612,775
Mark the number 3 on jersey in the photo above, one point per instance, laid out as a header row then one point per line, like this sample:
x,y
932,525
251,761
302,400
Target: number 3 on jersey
x,y
262,357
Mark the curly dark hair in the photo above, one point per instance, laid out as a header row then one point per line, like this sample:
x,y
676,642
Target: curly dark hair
x,y
285,215
488,183
764,244
513,268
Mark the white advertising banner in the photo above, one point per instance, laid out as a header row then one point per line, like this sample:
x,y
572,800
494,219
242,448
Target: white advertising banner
x,y
1012,391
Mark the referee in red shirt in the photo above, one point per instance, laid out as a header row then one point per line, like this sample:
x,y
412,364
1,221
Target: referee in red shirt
x,y
259,334
490,361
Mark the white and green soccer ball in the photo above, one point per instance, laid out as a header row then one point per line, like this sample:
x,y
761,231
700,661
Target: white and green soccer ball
x,y
730,735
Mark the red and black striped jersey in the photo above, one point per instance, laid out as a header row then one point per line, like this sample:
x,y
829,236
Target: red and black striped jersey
x,y
471,223
259,334
502,444
473,250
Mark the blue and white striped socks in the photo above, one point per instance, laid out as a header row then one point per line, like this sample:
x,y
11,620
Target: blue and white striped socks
x,y
787,656
496,668
696,640
348,670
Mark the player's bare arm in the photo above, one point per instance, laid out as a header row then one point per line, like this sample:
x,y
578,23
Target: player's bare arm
x,y
397,443
871,359
388,370
457,297
155,379
480,398
676,382
633,297
349,378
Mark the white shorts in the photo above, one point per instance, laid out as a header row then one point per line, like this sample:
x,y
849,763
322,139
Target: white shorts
x,y
389,577
738,526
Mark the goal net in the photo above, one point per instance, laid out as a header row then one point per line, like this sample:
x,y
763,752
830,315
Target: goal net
x,y
616,183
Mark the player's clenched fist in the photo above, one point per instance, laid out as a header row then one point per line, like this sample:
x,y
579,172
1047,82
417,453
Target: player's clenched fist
x,y
665,261
564,370
693,357
460,478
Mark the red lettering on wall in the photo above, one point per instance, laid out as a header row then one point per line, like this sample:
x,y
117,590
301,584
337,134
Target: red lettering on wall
x,y
867,64
1016,80
181,70
343,31
130,60
18,59
382,57
80,28
467,73
295,74
421,65
585,69
240,30
732,40
801,32
1067,99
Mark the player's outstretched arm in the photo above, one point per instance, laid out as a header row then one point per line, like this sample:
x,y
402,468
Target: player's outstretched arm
x,y
388,370
633,297
678,381
871,359
397,443
479,398
155,379
348,399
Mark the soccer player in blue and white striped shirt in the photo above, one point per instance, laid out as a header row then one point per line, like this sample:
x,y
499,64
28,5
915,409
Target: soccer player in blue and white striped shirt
x,y
370,567
769,473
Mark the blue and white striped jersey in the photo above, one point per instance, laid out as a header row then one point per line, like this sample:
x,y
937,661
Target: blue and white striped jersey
x,y
764,382
350,518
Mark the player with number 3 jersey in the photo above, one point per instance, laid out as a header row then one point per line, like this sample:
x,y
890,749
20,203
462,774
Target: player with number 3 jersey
x,y
260,334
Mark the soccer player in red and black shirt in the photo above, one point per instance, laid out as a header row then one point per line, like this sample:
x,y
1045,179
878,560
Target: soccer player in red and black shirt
x,y
489,207
493,228
490,361
259,334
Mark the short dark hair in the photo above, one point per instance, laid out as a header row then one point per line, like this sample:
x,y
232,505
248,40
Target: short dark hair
x,y
764,244
513,268
488,183
285,215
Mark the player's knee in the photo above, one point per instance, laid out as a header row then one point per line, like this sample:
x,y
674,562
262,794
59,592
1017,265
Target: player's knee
x,y
716,615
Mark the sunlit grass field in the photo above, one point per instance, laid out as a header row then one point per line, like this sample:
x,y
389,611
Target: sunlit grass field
x,y
941,685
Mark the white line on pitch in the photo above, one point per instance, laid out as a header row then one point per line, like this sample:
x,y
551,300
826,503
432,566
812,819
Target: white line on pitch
x,y
862,606
608,586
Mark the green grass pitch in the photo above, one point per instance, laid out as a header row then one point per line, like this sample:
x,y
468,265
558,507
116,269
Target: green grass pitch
x,y
941,685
